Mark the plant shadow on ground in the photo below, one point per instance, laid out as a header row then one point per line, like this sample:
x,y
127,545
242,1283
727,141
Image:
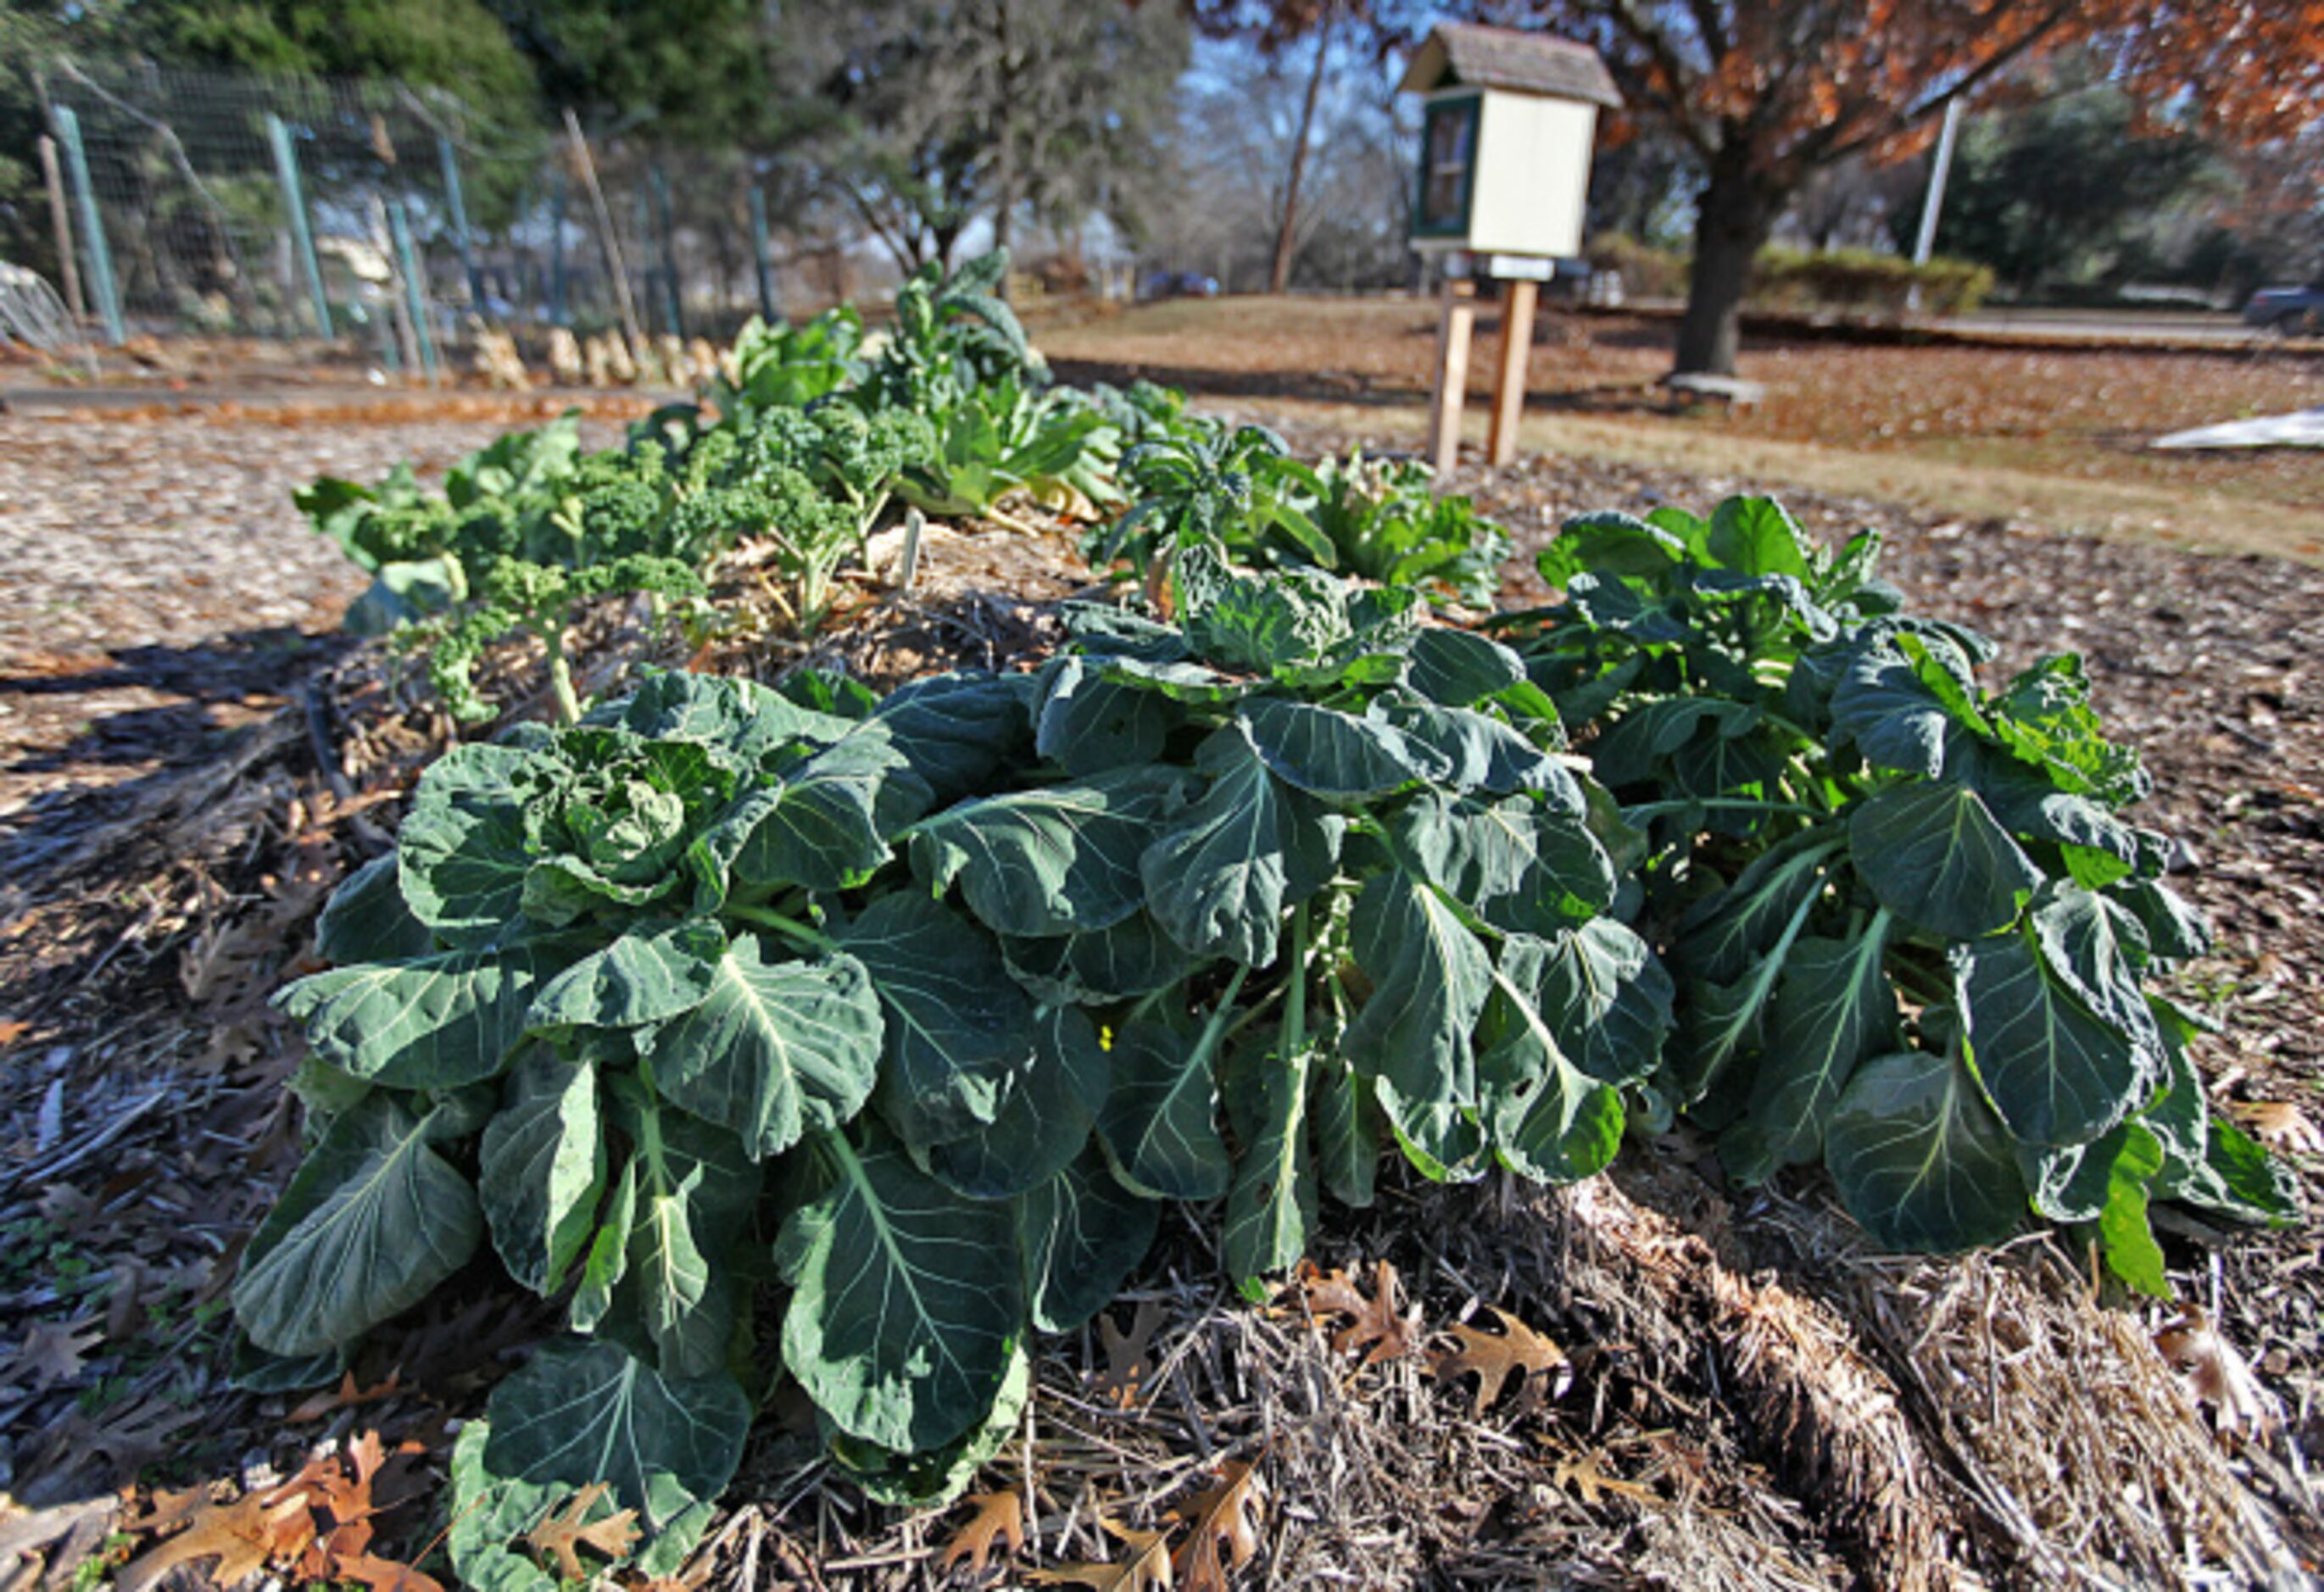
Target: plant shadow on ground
x,y
121,745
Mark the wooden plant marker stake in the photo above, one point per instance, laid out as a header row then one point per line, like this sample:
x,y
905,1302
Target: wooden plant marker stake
x,y
908,560
1460,319
1518,295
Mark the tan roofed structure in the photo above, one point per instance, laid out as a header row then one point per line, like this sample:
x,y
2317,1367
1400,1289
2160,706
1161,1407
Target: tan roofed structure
x,y
1475,55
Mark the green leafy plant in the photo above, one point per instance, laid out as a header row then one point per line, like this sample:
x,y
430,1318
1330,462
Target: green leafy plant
x,y
787,366
1910,923
1385,522
1005,438
915,1016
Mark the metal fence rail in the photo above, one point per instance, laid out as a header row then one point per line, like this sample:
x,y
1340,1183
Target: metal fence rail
x,y
227,203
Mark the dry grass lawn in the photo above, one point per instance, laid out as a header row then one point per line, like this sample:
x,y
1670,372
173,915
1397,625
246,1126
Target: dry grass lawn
x,y
2052,436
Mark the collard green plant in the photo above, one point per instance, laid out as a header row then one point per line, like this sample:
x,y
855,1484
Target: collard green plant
x,y
1379,521
1911,923
908,1021
1385,522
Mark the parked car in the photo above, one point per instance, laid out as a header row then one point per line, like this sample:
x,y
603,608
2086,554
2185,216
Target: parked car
x,y
2296,312
1179,284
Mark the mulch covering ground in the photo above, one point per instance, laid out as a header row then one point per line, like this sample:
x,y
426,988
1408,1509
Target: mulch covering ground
x,y
1750,1396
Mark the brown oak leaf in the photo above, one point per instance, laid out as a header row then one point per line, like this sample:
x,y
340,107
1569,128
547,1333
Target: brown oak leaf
x,y
239,1535
999,1516
1123,1380
1226,1519
2217,1374
1376,1328
1496,1357
1593,1483
1147,1568
383,1575
561,1534
346,1396
2281,1125
55,1352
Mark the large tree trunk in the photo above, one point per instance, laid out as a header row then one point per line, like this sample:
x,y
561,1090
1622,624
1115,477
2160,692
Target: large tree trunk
x,y
1738,211
1280,277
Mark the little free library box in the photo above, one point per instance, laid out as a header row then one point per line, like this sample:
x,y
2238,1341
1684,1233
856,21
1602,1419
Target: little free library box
x,y
1508,124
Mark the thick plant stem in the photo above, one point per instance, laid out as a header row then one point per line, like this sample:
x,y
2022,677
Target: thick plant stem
x,y
561,675
791,928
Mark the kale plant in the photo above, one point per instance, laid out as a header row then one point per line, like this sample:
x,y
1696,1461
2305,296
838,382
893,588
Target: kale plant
x,y
1911,923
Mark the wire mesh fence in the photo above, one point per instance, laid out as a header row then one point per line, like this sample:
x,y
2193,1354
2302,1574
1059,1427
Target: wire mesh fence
x,y
192,200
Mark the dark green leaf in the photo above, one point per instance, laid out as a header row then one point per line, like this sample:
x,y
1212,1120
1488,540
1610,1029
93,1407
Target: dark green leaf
x,y
440,1021
906,1301
1336,756
957,1025
1920,1160
642,977
1221,879
1160,1122
1133,958
463,848
776,1050
1933,855
2058,1073
1834,1005
366,918
541,1168
587,1412
1079,1237
1430,979
371,1222
1058,859
1045,1117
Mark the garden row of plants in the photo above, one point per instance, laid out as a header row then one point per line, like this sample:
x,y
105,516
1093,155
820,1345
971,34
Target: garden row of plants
x,y
798,1035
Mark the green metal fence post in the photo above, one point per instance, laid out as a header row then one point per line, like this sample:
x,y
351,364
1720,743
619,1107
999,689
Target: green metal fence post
x,y
556,253
92,226
661,185
415,303
460,209
758,255
294,206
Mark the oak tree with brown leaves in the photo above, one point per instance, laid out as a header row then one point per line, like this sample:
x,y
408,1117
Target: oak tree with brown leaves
x,y
1767,92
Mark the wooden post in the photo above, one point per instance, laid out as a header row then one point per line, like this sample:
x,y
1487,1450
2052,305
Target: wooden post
x,y
60,220
1459,318
1517,298
607,241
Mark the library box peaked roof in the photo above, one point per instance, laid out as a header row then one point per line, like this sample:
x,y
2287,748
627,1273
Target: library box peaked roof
x,y
1471,55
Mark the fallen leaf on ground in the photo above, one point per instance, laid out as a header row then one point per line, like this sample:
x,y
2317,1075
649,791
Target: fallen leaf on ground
x,y
1390,1336
346,1396
11,1032
1496,1357
1225,1516
2281,1125
1124,1378
238,1535
1146,1567
53,1352
384,1575
1586,1479
561,1534
2217,1374
1000,1515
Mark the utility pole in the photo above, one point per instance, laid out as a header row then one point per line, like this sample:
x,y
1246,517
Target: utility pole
x,y
1933,205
